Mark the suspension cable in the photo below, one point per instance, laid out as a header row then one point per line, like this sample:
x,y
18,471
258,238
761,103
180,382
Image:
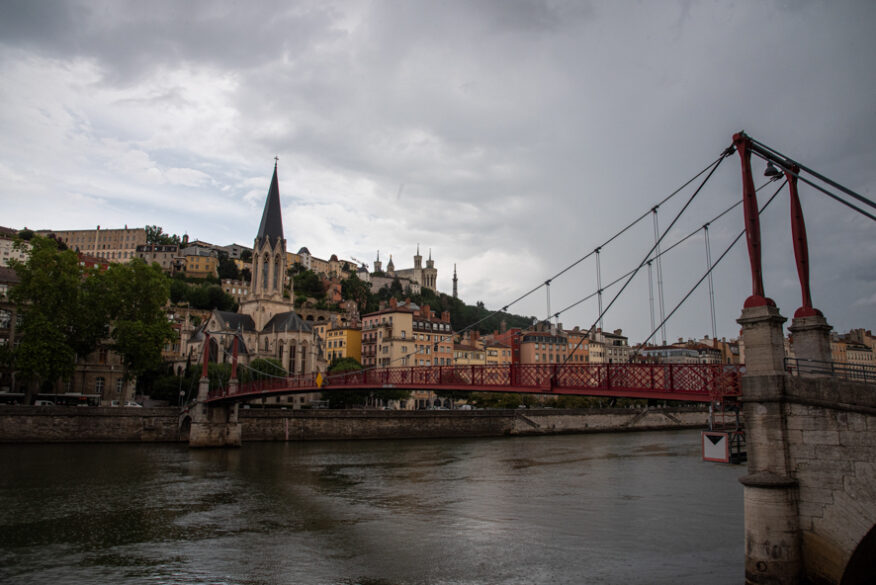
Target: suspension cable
x,y
819,176
678,215
727,152
708,272
629,226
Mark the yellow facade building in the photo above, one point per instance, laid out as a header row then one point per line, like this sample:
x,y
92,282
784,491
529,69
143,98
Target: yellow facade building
x,y
496,353
201,266
343,342
468,355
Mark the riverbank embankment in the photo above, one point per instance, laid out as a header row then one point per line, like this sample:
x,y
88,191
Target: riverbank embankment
x,y
67,424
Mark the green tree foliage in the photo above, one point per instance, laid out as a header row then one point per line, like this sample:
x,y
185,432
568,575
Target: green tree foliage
x,y
68,310
246,256
228,269
55,313
343,365
356,290
261,369
200,295
138,294
155,235
307,283
345,398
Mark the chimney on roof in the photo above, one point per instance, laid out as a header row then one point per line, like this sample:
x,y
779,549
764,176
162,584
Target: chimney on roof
x,y
393,303
445,316
426,312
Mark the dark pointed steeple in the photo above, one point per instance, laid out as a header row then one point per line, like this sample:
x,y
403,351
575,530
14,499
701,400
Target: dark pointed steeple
x,y
271,227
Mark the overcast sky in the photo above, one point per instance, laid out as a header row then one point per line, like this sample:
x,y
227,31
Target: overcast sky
x,y
509,138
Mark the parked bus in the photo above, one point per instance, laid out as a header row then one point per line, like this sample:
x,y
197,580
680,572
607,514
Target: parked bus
x,y
70,399
11,398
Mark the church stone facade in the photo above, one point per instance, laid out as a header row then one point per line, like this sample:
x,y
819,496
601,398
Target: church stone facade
x,y
266,324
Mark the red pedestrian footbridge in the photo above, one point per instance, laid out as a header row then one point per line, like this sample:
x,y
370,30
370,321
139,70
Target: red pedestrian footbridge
x,y
687,382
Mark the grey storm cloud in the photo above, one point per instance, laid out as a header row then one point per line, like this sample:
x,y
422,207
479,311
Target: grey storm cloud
x,y
525,134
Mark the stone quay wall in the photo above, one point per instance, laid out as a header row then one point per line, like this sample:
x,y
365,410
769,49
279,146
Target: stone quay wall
x,y
60,424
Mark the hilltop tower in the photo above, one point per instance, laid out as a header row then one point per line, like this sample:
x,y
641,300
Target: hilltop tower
x,y
378,265
455,292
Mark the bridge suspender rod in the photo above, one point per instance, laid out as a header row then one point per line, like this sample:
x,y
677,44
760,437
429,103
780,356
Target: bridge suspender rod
x,y
547,286
651,259
659,271
710,168
718,261
711,284
206,354
651,293
599,284
727,152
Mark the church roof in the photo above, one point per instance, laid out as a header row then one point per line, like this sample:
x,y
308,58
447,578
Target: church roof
x,y
271,227
229,320
287,321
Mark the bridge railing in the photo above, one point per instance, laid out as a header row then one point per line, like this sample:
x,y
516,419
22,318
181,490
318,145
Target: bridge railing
x,y
679,380
846,371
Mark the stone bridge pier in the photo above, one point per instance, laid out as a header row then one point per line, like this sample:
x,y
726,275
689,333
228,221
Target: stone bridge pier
x,y
214,426
810,491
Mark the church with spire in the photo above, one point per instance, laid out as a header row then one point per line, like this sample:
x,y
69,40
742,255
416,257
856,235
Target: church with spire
x,y
266,323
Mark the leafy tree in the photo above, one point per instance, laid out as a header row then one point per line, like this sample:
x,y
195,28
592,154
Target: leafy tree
x,y
61,244
57,321
138,294
356,290
155,235
246,256
387,394
228,269
261,369
308,283
25,235
246,275
345,398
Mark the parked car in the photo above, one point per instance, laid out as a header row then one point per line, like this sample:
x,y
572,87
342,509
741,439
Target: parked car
x,y
44,403
133,404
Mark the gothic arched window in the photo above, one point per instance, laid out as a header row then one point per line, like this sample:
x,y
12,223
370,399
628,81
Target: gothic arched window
x,y
276,272
265,273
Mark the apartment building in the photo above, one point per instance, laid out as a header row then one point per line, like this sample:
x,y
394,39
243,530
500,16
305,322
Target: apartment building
x,y
404,334
115,245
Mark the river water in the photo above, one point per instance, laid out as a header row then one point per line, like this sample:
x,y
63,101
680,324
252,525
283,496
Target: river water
x,y
604,508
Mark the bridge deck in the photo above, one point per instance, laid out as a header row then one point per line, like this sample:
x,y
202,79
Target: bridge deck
x,y
689,382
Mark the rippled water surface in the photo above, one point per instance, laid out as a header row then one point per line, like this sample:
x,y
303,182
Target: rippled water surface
x,y
608,508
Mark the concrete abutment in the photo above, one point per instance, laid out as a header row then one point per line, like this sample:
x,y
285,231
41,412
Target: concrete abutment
x,y
214,425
